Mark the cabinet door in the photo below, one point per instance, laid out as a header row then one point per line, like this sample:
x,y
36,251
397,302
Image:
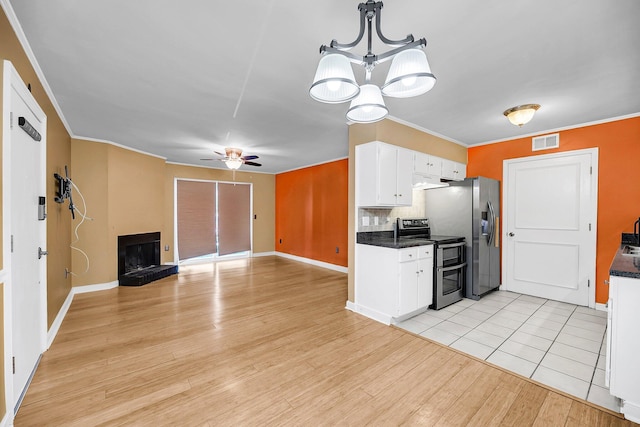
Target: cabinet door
x,y
408,287
422,163
460,171
453,170
425,282
387,174
447,169
435,166
404,175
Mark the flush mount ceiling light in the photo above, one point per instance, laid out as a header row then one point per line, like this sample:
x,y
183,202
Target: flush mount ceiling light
x,y
522,114
409,74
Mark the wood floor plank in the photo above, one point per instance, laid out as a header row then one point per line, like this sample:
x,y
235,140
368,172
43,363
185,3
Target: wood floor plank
x,y
267,341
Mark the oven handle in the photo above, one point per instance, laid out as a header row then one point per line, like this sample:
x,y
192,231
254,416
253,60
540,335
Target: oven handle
x,y
455,267
451,245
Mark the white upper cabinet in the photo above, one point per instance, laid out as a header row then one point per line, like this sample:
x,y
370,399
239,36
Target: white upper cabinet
x,y
426,164
453,170
383,175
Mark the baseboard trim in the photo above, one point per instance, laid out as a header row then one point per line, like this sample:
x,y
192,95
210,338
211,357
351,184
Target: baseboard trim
x,y
322,264
5,420
370,313
94,288
601,307
261,254
57,322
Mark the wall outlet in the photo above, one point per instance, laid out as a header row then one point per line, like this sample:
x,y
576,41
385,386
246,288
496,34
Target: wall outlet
x,y
375,220
166,248
337,249
365,221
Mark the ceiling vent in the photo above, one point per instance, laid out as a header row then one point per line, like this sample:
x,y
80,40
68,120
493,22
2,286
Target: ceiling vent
x,y
545,142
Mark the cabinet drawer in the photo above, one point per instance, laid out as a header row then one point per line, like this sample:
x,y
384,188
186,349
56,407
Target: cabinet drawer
x,y
425,251
409,254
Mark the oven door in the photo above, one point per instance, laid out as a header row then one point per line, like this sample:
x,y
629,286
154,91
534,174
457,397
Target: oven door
x,y
449,285
451,254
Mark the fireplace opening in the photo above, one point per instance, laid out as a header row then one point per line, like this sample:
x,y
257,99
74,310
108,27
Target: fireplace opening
x,y
139,259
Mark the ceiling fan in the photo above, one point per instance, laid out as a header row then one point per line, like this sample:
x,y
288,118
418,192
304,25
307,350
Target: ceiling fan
x,y
233,158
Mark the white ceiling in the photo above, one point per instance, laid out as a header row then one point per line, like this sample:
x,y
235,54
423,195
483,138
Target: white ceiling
x,y
181,79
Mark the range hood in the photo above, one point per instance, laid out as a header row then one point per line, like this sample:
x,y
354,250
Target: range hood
x,y
425,182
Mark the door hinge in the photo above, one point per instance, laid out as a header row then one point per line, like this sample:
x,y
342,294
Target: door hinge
x,y
12,243
590,170
11,120
588,283
13,362
589,226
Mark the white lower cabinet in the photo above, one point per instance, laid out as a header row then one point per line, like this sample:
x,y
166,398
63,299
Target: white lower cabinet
x,y
392,284
623,344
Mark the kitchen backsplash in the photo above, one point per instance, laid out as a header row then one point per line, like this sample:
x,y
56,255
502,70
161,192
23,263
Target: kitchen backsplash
x,y
382,219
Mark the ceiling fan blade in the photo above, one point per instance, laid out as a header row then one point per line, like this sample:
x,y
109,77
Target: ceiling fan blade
x,y
220,154
249,157
209,159
252,164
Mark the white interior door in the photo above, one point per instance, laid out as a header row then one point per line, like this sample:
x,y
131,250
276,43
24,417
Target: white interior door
x,y
27,281
550,220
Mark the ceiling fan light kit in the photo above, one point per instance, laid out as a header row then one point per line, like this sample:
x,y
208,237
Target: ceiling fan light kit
x,y
233,163
521,114
233,158
409,74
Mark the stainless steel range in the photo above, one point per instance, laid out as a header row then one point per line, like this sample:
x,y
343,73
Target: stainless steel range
x,y
449,264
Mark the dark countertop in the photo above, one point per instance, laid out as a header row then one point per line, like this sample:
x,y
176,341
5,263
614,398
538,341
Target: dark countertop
x,y
385,239
623,265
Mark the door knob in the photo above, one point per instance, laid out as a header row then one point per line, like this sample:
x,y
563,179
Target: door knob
x,y
41,252
511,234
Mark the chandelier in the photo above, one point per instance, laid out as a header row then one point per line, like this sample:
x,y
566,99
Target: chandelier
x,y
409,74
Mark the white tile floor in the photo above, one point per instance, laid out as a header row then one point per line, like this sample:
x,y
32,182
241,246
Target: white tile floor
x,y
558,344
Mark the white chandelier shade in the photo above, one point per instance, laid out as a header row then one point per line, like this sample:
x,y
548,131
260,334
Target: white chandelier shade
x,y
409,75
334,81
368,106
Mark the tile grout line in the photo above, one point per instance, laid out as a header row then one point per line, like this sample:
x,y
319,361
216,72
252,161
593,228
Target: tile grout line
x,y
553,342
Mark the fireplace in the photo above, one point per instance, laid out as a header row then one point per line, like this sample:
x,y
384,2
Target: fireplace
x,y
139,260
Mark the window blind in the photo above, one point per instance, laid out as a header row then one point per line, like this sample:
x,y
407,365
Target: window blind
x,y
196,211
234,218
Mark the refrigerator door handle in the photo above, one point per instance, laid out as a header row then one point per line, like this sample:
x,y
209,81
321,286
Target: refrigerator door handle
x,y
491,236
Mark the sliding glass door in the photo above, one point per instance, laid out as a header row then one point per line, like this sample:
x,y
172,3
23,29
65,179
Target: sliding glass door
x,y
212,218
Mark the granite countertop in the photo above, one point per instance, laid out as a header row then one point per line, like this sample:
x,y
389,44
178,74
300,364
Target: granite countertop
x,y
386,239
624,265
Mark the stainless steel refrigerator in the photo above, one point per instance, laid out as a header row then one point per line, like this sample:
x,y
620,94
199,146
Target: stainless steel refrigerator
x,y
470,208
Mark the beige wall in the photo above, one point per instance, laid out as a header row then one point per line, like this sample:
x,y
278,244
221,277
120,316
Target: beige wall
x,y
89,160
401,135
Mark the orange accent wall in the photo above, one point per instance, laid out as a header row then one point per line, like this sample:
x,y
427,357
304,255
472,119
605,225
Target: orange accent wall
x,y
311,212
618,146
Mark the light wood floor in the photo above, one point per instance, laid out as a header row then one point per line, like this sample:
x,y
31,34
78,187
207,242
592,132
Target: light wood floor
x,y
267,342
